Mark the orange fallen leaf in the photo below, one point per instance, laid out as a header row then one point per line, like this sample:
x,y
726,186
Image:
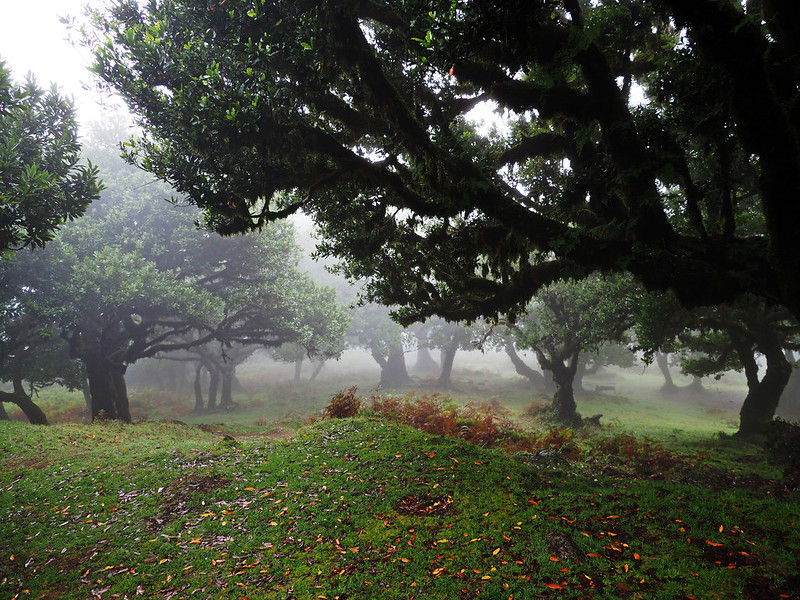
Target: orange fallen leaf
x,y
553,586
635,556
713,543
554,559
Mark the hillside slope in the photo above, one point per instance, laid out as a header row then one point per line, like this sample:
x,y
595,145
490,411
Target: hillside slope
x,y
359,508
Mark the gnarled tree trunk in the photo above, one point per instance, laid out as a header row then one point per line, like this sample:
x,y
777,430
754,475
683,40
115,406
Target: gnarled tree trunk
x,y
121,393
109,394
425,363
87,396
662,360
763,395
318,365
100,389
298,368
393,368
213,388
536,378
33,413
582,370
3,413
227,375
563,370
448,356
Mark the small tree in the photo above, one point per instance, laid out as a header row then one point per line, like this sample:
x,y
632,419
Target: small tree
x,y
448,337
372,328
569,318
713,340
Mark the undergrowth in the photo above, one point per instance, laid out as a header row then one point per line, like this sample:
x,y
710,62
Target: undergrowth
x,y
490,425
367,509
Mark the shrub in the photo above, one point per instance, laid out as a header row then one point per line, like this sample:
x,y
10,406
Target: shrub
x,y
486,425
645,459
343,405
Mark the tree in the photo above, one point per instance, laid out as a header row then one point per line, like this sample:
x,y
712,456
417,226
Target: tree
x,y
569,318
372,328
42,181
37,356
324,323
734,336
136,278
425,363
449,338
359,107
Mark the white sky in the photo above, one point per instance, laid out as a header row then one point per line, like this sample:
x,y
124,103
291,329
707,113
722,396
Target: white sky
x,y
32,39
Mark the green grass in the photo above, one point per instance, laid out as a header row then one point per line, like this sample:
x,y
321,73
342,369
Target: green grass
x,y
359,508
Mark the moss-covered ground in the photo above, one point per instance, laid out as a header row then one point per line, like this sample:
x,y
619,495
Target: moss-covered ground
x,y
361,508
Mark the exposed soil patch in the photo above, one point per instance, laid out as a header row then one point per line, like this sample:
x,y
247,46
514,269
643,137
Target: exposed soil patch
x,y
180,492
717,479
425,505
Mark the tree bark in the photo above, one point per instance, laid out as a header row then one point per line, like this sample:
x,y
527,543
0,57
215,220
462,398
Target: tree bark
x,y
213,388
763,395
317,368
121,393
87,396
34,414
663,365
535,377
298,368
564,407
226,391
696,385
448,355
102,392
581,371
425,363
198,388
3,414
393,370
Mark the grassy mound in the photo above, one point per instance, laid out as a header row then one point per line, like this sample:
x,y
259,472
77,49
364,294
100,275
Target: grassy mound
x,y
363,508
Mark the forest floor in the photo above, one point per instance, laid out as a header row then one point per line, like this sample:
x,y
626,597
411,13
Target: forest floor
x,y
365,508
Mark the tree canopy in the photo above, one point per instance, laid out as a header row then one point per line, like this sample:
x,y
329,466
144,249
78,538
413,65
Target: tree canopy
x,y
569,318
359,113
42,181
136,278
